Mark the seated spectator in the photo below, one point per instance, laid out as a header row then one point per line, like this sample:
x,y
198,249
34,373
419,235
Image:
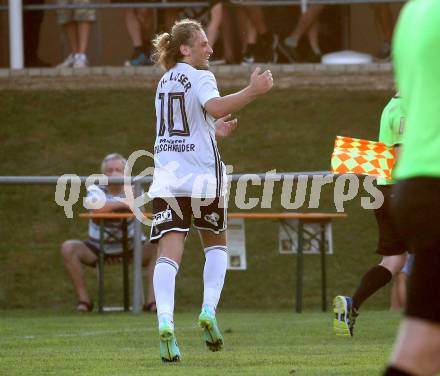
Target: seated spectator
x,y
80,253
139,23
31,34
308,23
77,24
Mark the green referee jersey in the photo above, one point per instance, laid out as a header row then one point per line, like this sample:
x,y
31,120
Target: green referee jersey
x,y
392,123
416,56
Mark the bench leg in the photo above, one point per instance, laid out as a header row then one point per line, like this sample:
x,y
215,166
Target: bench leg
x,y
299,267
322,245
125,265
101,268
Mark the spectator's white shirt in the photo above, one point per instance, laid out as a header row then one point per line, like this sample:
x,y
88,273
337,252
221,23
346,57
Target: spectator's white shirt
x,y
187,161
112,228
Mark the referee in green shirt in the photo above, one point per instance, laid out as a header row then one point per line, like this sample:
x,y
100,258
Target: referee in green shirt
x,y
416,57
390,245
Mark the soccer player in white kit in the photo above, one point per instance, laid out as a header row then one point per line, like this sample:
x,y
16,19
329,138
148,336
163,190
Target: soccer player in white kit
x,y
189,179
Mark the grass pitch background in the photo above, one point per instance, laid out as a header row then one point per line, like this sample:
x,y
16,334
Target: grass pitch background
x,y
57,132
273,343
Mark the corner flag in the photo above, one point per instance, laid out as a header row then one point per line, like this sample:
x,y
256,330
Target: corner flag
x,y
363,157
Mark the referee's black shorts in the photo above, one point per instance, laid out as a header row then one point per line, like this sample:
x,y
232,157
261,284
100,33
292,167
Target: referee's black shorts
x,y
390,242
416,212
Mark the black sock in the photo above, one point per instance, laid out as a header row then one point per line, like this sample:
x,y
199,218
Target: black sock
x,y
139,49
393,371
373,280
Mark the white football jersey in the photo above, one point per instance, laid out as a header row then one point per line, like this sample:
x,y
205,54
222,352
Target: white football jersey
x,y
186,158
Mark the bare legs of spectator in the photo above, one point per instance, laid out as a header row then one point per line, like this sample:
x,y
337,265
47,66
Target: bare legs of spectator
x,y
384,19
171,16
398,292
228,36
248,35
307,23
84,29
266,41
213,28
256,16
313,37
139,26
78,35
76,255
31,28
217,25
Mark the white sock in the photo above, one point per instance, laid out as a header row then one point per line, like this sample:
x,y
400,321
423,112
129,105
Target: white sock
x,y
216,262
164,282
291,41
316,50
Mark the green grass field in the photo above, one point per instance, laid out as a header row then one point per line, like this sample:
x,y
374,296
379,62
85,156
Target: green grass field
x,y
256,343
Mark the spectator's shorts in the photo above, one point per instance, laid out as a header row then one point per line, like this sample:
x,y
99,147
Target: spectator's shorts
x,y
408,264
390,242
165,219
69,15
116,257
417,217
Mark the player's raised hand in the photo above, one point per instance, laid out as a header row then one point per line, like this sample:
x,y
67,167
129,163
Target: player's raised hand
x,y
261,82
224,126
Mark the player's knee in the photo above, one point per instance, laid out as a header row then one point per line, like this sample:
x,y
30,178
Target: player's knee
x,y
68,249
394,263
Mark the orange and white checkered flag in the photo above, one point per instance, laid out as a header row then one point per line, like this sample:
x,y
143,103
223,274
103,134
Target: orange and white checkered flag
x,y
363,157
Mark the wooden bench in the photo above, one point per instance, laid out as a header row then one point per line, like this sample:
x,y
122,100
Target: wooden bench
x,y
303,218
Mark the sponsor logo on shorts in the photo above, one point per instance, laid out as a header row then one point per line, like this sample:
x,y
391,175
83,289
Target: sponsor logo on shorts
x,y
212,218
162,217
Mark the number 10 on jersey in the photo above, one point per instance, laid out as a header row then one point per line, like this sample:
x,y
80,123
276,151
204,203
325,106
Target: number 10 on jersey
x,y
175,104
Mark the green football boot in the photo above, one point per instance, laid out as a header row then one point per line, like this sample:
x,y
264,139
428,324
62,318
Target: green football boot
x,y
211,332
345,316
169,351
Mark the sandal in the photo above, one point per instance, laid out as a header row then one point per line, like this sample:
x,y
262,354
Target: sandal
x,y
150,307
84,306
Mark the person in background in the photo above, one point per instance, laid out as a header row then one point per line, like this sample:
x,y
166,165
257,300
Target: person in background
x,y
416,208
390,244
79,253
189,180
139,24
32,20
261,43
77,23
308,24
